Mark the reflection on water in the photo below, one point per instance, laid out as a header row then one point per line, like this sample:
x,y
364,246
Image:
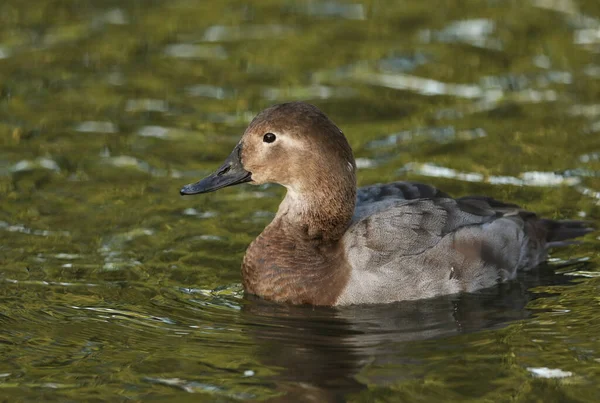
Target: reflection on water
x,y
332,346
114,288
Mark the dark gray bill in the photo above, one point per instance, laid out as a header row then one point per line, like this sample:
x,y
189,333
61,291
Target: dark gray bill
x,y
230,173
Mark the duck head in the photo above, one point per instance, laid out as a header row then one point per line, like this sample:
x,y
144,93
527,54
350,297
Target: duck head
x,y
292,144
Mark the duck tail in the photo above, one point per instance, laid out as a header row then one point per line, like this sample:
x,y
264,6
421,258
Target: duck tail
x,y
559,232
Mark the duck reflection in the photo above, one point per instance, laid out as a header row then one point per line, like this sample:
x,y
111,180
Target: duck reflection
x,y
319,351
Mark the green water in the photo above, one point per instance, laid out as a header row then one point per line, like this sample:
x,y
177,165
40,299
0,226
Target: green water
x,y
115,288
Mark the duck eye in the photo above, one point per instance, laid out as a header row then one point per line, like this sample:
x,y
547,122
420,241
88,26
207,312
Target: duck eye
x,y
269,138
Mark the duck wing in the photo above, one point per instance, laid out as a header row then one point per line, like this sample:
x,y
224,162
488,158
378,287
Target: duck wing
x,y
370,199
412,241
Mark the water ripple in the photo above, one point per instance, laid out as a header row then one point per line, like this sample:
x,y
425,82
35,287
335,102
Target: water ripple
x,y
542,179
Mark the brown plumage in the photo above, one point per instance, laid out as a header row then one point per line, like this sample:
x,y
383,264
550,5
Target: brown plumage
x,y
331,244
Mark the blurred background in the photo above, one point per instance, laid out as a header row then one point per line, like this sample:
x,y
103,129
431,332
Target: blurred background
x,y
114,288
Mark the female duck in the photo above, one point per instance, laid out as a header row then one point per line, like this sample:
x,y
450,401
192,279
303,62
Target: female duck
x,y
330,244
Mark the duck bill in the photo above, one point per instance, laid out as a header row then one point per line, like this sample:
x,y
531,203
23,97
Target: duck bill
x,y
230,173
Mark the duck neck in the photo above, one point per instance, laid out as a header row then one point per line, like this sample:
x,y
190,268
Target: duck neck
x,y
298,257
321,214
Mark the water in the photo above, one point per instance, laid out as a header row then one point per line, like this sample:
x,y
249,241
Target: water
x,y
114,288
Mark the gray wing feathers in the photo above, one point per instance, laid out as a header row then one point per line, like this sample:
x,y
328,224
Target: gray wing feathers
x,y
374,198
409,227
397,190
412,241
422,247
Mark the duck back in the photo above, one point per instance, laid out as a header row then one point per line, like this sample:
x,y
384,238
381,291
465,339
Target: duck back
x,y
411,241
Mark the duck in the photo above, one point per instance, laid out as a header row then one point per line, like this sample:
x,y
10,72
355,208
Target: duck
x,y
333,244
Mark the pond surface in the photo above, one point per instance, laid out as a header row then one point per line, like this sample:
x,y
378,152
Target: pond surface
x,y
114,288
